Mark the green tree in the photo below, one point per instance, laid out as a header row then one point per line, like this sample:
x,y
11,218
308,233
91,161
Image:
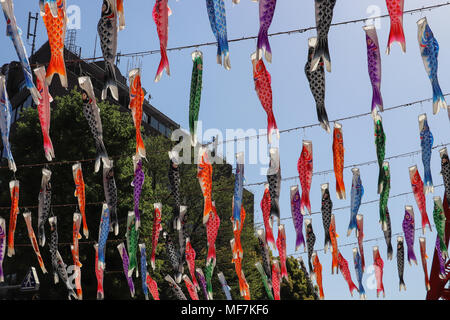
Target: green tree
x,y
298,287
72,140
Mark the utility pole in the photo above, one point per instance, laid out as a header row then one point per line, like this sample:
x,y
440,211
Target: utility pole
x,y
29,34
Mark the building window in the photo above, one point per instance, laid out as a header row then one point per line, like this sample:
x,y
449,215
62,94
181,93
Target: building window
x,y
145,117
154,123
162,128
168,133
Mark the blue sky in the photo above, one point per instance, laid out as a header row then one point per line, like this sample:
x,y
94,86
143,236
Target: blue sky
x,y
230,102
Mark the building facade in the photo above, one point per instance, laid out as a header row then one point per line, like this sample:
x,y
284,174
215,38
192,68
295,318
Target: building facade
x,y
154,122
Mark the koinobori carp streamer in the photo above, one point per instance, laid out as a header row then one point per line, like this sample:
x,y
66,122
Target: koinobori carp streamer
x,y
359,273
99,275
132,237
5,123
108,30
34,244
15,34
266,12
14,193
136,102
156,229
334,246
343,266
45,195
59,267
265,280
274,180
264,251
396,34
173,256
276,280
316,81
137,185
195,94
237,249
212,229
54,14
268,220
318,274
125,264
75,237
426,143
439,222
419,195
429,50
384,195
305,173
92,114
374,66
161,13
445,171
297,217
263,88
225,287
324,16
356,195
143,269
327,207
152,286
218,22
388,235
360,237
310,241
190,261
380,145
401,262
338,160
80,194
378,265
409,228
175,288
110,190
103,232
238,190
184,232
44,112
423,253
281,245
190,287
2,247
204,175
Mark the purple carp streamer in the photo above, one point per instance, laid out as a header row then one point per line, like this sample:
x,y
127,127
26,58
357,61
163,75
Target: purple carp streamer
x,y
125,263
266,12
137,183
374,66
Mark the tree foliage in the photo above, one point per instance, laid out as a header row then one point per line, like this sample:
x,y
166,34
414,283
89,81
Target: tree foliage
x,y
72,140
